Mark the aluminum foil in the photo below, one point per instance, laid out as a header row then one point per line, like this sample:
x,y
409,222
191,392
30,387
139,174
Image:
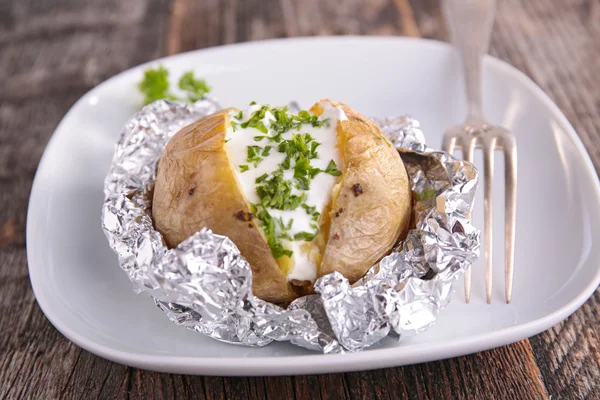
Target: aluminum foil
x,y
206,285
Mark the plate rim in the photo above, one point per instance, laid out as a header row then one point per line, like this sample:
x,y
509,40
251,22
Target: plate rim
x,y
312,363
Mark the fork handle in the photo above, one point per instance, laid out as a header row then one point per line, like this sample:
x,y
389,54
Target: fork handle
x,y
470,23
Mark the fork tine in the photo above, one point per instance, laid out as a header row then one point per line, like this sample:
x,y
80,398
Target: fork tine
x,y
468,143
449,143
488,172
510,179
468,148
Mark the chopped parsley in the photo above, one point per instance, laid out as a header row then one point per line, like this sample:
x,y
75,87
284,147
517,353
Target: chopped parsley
x,y
254,155
306,236
304,117
283,120
304,173
274,242
426,195
276,192
284,228
256,120
332,169
312,211
301,148
309,209
262,178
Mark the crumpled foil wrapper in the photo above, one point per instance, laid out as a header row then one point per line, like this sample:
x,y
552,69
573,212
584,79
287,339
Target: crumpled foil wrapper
x,y
206,285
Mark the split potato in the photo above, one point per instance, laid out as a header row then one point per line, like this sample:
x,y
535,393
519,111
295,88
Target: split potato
x,y
366,209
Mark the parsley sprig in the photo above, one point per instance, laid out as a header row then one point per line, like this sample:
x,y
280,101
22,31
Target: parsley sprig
x,y
194,88
155,86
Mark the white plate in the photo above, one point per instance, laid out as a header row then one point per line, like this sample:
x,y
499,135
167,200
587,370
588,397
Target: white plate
x,y
81,289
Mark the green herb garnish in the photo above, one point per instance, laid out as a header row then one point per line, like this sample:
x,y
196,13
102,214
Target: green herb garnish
x,y
155,86
386,141
332,169
265,151
312,211
283,228
254,155
304,173
261,178
276,192
313,149
194,88
304,117
255,121
274,243
243,167
309,209
306,236
426,195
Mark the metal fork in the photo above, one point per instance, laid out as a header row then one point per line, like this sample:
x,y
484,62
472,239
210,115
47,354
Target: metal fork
x,y
470,23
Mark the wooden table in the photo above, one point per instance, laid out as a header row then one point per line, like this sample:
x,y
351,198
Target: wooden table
x,y
52,52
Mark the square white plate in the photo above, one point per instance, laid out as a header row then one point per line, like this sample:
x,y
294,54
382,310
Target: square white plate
x,y
81,289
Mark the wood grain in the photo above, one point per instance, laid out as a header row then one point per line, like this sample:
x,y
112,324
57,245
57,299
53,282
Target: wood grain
x,y
559,48
52,52
211,23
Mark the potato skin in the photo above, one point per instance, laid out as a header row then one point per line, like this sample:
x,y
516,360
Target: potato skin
x,y
196,187
374,204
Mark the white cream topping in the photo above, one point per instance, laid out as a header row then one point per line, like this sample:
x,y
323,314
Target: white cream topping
x,y
319,193
304,268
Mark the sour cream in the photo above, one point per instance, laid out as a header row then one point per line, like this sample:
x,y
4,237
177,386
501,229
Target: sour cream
x,y
319,193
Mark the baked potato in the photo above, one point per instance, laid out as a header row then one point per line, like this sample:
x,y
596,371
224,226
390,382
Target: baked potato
x,y
301,195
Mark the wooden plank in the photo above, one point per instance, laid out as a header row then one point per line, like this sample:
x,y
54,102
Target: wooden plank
x,y
558,45
199,24
568,355
51,53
